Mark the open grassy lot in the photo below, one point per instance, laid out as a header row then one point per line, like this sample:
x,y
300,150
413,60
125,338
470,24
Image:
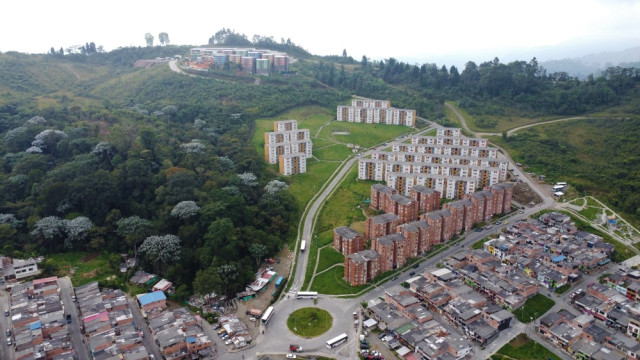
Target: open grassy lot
x,y
533,308
491,123
82,267
522,347
365,135
334,152
480,243
305,186
329,257
344,206
309,322
332,283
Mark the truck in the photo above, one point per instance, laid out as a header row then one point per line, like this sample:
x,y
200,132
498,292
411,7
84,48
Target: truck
x,y
255,312
295,348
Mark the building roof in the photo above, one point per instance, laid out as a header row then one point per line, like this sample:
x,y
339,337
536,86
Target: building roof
x,y
347,232
149,298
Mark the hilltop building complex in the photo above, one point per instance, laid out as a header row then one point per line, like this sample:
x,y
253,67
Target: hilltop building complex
x,y
375,112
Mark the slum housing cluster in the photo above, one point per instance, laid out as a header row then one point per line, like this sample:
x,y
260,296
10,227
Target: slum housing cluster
x,y
411,225
37,321
177,333
107,323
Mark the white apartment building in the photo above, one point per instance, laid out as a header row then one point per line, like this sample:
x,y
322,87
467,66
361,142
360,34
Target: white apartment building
x,y
291,164
450,163
287,142
371,103
285,125
388,116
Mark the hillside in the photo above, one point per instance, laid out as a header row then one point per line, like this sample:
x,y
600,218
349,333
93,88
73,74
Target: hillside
x,y
99,156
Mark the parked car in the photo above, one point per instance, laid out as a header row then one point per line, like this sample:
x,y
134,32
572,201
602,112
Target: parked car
x,y
9,332
270,261
68,318
416,265
6,313
412,273
291,356
9,341
228,342
394,278
478,230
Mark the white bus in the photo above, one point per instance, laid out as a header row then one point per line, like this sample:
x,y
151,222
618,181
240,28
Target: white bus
x,y
340,339
303,245
267,315
307,295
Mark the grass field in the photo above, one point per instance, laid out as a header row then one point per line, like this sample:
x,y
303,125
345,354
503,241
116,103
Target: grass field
x,y
305,186
365,135
563,289
533,308
309,322
332,283
499,123
522,347
82,267
333,152
329,257
479,244
343,207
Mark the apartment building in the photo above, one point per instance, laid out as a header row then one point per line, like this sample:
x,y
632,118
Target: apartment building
x,y
450,163
380,195
286,125
426,198
402,206
347,241
381,225
291,164
253,61
417,235
392,251
361,267
375,112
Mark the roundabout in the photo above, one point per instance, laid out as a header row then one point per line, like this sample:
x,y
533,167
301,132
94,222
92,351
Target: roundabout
x,y
309,322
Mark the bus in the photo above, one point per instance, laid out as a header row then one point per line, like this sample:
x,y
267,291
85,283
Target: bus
x,y
307,295
279,281
267,315
303,245
340,339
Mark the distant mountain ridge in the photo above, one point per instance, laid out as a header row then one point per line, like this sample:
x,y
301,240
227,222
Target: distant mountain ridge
x,y
594,63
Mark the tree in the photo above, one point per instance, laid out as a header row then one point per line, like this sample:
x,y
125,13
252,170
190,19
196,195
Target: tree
x,y
48,229
365,62
228,273
344,53
162,249
134,229
258,251
207,281
185,209
163,37
76,230
149,39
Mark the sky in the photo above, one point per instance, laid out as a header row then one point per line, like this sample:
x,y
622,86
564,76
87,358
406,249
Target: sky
x,y
416,31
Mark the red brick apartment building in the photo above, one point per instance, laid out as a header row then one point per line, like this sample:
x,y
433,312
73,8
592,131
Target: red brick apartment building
x,y
392,251
504,194
426,199
440,225
463,214
347,241
402,206
361,267
381,225
380,195
420,230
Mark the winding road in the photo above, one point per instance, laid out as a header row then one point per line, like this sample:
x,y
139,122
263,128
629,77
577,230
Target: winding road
x,y
511,131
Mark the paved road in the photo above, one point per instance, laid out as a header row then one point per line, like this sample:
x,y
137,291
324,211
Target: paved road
x,y
147,340
5,323
77,337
